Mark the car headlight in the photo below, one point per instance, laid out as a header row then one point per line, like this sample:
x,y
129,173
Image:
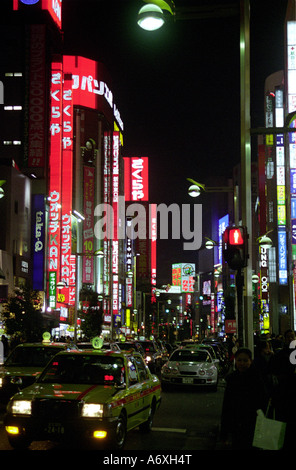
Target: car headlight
x,y
21,407
92,410
167,370
1,382
148,358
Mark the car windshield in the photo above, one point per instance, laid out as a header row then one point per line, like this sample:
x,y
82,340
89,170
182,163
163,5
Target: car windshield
x,y
84,369
31,357
185,355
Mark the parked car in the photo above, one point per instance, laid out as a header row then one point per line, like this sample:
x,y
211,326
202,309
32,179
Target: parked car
x,y
23,365
190,366
221,353
88,397
207,347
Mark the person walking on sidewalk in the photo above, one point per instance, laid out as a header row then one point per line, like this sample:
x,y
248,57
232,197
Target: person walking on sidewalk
x,y
245,393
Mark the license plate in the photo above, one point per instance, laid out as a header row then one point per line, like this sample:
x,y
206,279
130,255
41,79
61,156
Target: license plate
x,y
187,380
55,428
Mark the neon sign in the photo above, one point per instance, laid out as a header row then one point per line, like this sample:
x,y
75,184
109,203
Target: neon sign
x,y
136,178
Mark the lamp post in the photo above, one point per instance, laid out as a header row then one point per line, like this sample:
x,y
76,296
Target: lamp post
x,y
195,190
246,202
157,12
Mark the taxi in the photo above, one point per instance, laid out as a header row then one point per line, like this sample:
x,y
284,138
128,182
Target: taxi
x,y
23,365
92,397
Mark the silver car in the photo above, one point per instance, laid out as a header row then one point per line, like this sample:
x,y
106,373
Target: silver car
x,y
190,367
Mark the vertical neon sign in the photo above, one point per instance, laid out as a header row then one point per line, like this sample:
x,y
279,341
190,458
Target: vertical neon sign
x,y
67,182
88,224
115,242
281,189
106,244
291,87
55,185
153,237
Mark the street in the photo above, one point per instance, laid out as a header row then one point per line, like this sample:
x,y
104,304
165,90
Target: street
x,y
186,420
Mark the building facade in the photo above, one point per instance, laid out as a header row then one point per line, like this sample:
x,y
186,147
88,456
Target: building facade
x,y
62,175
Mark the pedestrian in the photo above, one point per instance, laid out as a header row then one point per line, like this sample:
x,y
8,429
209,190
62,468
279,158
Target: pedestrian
x,y
263,361
244,394
281,364
284,392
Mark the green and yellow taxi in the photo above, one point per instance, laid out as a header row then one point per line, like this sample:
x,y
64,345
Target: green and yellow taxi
x,y
90,397
24,364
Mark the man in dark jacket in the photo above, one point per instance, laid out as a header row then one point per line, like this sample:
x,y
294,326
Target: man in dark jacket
x,y
245,393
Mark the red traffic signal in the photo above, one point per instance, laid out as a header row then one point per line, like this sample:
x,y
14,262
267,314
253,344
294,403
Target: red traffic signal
x,y
236,236
235,247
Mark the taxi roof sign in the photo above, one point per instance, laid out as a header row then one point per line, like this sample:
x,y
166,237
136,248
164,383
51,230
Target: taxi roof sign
x,y
97,342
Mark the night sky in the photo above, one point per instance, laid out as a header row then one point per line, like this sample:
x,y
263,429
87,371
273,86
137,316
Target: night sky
x,y
178,89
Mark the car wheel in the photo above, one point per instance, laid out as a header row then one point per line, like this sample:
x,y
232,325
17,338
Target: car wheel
x,y
147,425
19,442
120,432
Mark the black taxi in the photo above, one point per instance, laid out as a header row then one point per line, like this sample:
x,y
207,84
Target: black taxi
x,y
91,397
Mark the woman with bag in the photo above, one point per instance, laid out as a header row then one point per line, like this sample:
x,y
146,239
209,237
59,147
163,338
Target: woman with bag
x,y
245,393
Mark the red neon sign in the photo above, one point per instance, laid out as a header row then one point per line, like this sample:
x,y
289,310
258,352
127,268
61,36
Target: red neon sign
x,y
55,185
89,87
136,179
67,182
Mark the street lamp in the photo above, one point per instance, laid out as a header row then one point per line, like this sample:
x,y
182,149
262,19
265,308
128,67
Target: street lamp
x,y
157,12
209,244
264,241
246,204
2,192
195,190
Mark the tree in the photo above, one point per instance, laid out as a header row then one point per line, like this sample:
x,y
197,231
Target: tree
x,y
22,315
92,316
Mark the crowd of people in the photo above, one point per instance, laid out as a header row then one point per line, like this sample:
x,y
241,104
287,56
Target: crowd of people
x,y
266,381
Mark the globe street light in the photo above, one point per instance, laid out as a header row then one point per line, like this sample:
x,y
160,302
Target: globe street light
x,y
157,12
150,17
195,189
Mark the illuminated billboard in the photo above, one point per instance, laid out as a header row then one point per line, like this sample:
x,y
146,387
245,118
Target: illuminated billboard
x,y
37,109
55,183
223,223
38,240
54,8
90,84
136,179
183,275
115,241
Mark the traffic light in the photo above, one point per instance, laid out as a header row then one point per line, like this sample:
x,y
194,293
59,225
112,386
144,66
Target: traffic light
x,y
235,246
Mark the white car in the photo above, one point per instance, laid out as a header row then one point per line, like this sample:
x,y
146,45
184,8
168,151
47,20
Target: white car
x,y
190,367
